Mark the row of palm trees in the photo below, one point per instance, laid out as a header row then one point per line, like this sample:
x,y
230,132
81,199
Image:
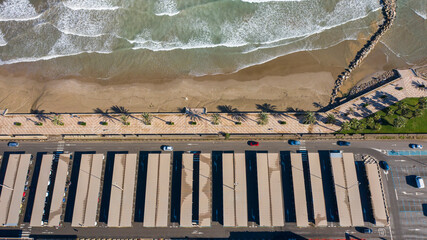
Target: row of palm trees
x,y
215,118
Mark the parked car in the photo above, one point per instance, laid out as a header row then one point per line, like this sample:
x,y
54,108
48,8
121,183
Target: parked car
x,y
166,148
253,143
13,144
294,142
364,230
416,146
343,143
419,181
384,165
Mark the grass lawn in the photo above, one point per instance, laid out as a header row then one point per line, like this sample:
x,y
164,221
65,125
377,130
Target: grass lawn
x,y
413,125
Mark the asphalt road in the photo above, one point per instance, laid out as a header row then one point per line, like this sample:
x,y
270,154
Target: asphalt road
x,y
408,220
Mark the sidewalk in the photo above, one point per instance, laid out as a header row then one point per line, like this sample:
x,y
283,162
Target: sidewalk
x,y
408,82
204,126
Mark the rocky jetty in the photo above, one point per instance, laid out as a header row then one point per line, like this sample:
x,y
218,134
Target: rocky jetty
x,y
389,14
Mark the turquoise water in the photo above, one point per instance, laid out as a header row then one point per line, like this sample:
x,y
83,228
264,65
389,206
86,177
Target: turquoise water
x,y
104,39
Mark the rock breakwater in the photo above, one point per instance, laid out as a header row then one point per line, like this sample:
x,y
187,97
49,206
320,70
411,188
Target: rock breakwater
x,y
389,14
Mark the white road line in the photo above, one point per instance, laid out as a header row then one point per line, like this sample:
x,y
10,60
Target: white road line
x,y
395,191
391,234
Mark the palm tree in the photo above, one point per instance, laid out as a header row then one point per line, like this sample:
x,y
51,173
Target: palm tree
x,y
389,111
309,118
216,119
125,118
354,123
262,118
371,122
361,126
403,108
345,126
147,118
399,122
57,120
331,119
418,112
422,103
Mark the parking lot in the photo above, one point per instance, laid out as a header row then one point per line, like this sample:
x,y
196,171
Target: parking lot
x,y
404,200
411,209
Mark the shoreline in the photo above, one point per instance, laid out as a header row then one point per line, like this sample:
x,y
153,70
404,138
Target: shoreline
x,y
301,80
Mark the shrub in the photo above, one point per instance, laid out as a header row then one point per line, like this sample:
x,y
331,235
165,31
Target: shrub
x,y
383,96
39,124
399,88
226,136
126,123
104,123
17,123
238,123
82,123
193,123
282,122
399,122
170,123
365,105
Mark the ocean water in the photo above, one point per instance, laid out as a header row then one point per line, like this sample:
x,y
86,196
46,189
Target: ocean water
x,y
109,39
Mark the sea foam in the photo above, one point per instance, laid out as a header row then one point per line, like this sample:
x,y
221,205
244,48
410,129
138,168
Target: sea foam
x,y
166,7
100,5
17,10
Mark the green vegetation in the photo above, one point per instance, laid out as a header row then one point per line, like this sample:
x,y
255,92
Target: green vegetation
x,y
17,123
238,123
104,123
406,116
193,123
39,124
309,118
226,136
282,122
146,118
216,119
124,119
331,119
57,120
82,123
262,118
170,123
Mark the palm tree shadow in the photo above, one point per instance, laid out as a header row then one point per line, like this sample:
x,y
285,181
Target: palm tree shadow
x,y
266,107
234,113
105,114
119,109
40,115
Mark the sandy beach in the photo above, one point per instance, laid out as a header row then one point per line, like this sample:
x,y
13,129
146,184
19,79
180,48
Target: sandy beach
x,y
301,80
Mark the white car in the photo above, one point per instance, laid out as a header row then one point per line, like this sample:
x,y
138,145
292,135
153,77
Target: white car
x,y
166,148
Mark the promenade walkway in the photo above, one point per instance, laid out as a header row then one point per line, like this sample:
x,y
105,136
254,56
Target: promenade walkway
x,y
204,125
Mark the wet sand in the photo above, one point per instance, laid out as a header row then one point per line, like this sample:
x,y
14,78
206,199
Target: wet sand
x,y
302,80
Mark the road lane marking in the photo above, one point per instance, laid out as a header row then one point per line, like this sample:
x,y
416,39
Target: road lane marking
x,y
395,191
391,234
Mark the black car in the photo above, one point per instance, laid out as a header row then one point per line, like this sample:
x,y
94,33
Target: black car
x,y
384,165
343,143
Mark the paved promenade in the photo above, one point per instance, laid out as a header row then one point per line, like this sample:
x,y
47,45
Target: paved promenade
x,y
204,125
408,81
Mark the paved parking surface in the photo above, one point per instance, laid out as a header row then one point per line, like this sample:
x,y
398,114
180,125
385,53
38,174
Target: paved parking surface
x,y
409,199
